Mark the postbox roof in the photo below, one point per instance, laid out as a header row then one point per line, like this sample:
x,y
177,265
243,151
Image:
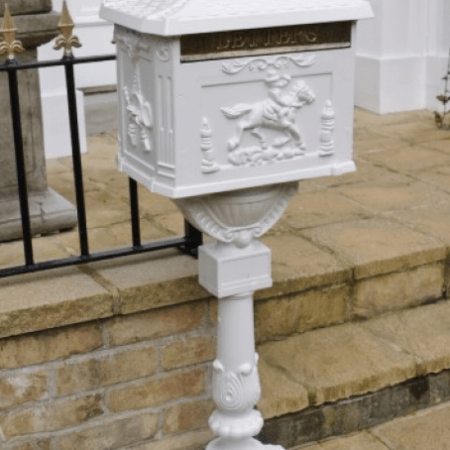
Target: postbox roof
x,y
181,17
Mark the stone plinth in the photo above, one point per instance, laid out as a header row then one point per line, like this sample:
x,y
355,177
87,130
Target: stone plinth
x,y
49,211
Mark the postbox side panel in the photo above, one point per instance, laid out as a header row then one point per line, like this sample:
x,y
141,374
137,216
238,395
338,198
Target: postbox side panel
x,y
145,90
261,120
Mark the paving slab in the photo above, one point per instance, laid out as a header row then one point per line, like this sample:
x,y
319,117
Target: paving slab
x,y
422,332
424,430
366,172
51,299
408,159
377,246
416,132
438,176
152,280
298,264
325,206
280,394
432,220
338,362
360,441
364,118
384,196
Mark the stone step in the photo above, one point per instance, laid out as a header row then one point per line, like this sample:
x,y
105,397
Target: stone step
x,y
426,429
345,378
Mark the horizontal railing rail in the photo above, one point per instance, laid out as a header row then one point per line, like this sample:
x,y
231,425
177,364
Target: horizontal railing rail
x,y
188,243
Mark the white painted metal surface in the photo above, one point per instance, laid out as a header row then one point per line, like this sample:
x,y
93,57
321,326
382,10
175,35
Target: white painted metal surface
x,y
227,131
177,17
192,128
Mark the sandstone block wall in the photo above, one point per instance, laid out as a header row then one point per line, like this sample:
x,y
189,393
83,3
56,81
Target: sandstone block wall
x,y
110,383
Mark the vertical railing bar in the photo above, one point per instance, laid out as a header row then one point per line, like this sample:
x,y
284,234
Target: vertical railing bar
x,y
134,206
20,164
76,156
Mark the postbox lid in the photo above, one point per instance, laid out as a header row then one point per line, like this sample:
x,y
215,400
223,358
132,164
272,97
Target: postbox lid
x,y
181,17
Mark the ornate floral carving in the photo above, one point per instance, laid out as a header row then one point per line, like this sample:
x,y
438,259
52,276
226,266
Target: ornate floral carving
x,y
240,216
277,112
132,42
236,392
326,146
281,62
208,163
140,117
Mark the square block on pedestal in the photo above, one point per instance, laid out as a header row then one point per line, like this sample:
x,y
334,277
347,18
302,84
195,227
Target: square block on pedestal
x,y
225,271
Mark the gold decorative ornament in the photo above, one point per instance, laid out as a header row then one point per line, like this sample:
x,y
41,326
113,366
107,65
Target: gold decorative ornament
x,y
9,44
66,39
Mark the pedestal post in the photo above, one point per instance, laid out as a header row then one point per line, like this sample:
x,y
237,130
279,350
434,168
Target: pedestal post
x,y
233,274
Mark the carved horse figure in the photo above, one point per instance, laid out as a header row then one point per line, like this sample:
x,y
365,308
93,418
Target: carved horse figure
x,y
273,113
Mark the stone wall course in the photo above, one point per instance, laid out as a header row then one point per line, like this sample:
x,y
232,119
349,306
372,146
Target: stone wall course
x,y
187,416
156,323
52,416
400,290
21,388
282,317
50,345
106,370
188,351
110,434
156,391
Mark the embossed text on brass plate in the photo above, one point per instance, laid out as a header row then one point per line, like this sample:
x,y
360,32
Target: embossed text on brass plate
x,y
230,44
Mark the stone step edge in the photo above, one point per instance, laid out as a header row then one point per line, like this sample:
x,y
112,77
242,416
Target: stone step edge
x,y
337,363
357,413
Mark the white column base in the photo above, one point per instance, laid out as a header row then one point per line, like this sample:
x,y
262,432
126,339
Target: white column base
x,y
388,85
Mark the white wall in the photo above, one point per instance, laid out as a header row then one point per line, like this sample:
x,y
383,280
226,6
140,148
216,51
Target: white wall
x,y
95,36
402,55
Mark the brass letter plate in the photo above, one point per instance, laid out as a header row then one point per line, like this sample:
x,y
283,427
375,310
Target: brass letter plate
x,y
231,44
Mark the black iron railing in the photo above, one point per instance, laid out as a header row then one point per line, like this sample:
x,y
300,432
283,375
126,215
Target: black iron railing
x,y
189,243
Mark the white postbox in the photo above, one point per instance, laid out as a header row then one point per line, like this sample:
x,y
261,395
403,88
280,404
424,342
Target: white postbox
x,y
218,95
224,106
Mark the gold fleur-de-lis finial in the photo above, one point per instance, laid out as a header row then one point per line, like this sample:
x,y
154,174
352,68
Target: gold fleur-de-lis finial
x,y
9,44
66,39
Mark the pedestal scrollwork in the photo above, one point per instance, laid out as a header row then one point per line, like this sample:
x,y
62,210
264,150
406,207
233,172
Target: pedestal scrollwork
x,y
236,393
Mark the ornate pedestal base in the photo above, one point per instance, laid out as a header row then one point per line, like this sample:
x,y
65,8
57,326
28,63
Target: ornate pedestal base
x,y
232,269
233,274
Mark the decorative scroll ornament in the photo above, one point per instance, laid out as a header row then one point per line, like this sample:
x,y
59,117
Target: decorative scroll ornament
x,y
208,163
9,45
66,39
277,112
240,216
236,394
281,62
140,116
326,147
